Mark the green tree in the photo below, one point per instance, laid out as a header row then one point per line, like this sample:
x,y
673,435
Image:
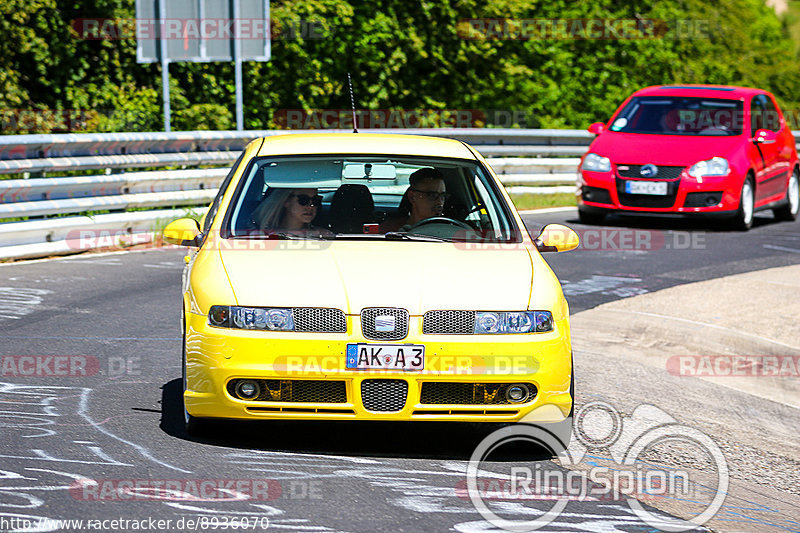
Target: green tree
x,y
402,55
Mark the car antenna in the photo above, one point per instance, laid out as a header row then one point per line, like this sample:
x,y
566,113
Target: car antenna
x,y
352,103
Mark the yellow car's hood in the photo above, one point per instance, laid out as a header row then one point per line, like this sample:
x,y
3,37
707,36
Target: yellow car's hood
x,y
352,275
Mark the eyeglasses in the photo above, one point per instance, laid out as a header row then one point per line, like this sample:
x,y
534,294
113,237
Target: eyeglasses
x,y
433,195
304,199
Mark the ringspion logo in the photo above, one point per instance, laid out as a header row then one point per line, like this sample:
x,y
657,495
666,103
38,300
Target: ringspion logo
x,y
606,460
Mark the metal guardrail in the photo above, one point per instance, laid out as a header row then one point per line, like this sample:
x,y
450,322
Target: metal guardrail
x,y
13,147
547,159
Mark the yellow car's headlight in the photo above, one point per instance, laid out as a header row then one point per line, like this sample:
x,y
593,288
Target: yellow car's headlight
x,y
513,322
260,318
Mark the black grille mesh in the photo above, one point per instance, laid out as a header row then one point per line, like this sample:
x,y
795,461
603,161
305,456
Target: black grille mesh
x,y
312,319
596,194
449,322
443,393
664,173
384,395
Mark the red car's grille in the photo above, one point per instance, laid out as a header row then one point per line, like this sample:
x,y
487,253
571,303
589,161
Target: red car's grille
x,y
663,173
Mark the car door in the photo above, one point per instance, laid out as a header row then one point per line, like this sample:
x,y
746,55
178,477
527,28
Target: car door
x,y
769,167
783,148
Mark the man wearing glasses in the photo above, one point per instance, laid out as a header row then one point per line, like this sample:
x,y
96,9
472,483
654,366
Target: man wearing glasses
x,y
424,198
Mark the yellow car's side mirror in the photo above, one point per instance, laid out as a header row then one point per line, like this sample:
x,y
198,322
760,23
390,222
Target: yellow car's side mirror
x,y
183,232
557,238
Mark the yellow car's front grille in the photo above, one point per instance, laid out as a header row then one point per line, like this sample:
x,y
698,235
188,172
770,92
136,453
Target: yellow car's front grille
x,y
384,323
294,390
449,393
319,320
384,395
449,322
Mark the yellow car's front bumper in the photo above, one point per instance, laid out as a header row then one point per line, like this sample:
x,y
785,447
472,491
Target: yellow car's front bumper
x,y
215,356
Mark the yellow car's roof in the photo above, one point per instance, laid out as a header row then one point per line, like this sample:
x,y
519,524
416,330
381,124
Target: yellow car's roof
x,y
364,143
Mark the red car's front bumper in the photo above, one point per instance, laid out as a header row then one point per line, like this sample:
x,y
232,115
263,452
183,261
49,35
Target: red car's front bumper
x,y
604,191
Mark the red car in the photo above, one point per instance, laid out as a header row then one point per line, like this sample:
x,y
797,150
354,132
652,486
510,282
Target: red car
x,y
697,149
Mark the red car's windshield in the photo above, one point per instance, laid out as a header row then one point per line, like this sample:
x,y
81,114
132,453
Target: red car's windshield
x,y
679,115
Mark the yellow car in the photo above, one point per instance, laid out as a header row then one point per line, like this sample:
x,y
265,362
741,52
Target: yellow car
x,y
370,277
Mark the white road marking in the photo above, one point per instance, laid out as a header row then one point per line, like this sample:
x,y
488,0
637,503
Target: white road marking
x,y
603,284
83,411
16,302
781,248
165,264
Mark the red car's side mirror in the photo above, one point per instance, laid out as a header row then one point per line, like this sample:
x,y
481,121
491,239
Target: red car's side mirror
x,y
597,128
765,137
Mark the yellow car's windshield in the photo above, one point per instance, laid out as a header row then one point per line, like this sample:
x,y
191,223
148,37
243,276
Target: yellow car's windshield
x,y
354,196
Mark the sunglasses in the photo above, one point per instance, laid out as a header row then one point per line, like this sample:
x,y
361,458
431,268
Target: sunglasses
x,y
433,195
304,199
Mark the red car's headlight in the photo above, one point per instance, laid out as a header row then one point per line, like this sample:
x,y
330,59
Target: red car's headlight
x,y
596,163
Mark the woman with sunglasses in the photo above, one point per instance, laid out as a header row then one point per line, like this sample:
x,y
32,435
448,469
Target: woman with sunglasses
x,y
290,210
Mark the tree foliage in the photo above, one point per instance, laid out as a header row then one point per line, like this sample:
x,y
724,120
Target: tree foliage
x,y
444,54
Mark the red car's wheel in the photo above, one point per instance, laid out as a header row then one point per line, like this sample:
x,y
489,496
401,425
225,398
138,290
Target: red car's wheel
x,y
743,220
792,207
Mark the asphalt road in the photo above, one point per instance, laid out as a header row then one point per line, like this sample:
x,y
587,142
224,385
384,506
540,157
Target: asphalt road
x,y
118,317
631,255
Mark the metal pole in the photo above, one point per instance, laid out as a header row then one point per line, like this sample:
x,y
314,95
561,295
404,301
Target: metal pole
x,y
237,65
162,50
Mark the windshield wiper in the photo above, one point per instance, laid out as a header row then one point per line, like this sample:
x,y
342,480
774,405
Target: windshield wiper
x,y
279,236
401,236
391,236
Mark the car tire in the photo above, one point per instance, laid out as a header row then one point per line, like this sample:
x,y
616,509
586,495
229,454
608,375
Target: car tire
x,y
743,220
590,217
194,426
792,207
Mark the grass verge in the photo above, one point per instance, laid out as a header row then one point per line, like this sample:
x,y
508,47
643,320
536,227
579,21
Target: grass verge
x,y
541,201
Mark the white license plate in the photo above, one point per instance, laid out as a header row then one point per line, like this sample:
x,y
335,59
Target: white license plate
x,y
646,187
367,356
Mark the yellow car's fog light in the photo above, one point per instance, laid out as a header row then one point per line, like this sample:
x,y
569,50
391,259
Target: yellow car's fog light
x,y
248,389
517,393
